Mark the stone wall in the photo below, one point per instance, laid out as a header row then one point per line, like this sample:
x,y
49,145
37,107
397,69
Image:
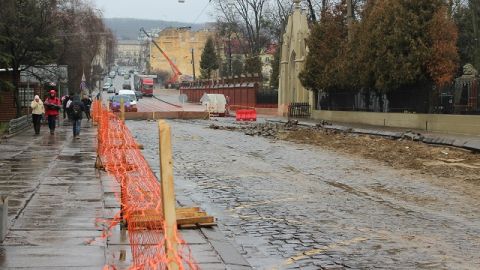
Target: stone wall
x,y
445,123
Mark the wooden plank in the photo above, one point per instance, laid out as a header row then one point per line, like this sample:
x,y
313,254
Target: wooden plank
x,y
193,220
156,221
188,209
197,225
191,214
168,192
177,210
186,213
207,224
99,163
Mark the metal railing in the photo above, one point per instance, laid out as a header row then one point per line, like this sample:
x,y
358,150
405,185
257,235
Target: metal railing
x,y
19,124
299,110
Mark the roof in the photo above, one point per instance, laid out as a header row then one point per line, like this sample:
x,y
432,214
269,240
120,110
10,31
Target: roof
x,y
271,49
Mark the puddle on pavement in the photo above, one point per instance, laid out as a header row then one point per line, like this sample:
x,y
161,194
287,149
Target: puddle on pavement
x,y
71,158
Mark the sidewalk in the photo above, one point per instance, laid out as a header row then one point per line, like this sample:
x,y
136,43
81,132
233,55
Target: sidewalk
x,y
57,201
470,142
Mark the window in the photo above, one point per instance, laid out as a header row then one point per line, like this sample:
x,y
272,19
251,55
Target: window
x,y
26,95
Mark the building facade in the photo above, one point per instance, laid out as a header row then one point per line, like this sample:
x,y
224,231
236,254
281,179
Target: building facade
x,y
129,52
292,61
178,43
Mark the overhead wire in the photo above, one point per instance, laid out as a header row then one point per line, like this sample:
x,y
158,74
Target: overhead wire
x,y
201,12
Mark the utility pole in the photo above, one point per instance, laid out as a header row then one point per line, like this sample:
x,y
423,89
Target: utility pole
x,y
193,65
475,9
230,73
350,19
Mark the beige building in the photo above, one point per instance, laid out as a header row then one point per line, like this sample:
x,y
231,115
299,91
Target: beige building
x,y
178,45
267,58
292,61
129,52
100,58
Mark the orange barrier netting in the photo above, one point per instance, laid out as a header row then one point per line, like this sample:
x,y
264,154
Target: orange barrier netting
x,y
140,198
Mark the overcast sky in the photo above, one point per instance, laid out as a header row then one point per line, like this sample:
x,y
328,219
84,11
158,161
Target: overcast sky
x,y
191,11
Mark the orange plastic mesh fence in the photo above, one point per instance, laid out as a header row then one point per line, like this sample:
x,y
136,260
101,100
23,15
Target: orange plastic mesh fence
x,y
140,197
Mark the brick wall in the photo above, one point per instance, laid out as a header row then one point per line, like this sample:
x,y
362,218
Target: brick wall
x,y
7,106
7,103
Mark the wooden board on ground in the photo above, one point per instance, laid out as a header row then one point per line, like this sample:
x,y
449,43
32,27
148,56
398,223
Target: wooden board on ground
x,y
191,217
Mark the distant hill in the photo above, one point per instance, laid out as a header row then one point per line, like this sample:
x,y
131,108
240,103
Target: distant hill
x,y
126,28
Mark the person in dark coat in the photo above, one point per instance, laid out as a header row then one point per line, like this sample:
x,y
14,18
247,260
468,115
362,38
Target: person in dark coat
x,y
87,103
76,108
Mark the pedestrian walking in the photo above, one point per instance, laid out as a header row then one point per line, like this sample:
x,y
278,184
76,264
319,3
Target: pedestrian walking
x,y
77,108
53,105
65,99
37,111
87,103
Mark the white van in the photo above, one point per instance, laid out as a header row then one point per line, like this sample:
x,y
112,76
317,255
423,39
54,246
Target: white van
x,y
214,103
129,93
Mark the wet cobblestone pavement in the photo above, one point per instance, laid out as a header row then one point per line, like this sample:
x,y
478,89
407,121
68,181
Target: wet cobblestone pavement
x,y
294,206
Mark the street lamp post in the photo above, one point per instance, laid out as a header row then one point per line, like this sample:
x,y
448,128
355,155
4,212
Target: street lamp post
x,y
193,65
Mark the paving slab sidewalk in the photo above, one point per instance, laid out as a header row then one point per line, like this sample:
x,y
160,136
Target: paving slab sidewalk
x,y
57,202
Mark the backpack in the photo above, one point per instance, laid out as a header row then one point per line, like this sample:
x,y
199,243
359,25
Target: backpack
x,y
76,110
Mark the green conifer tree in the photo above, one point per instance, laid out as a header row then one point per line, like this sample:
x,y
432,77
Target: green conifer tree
x,y
209,59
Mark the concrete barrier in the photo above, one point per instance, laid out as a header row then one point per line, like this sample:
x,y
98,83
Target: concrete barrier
x,y
446,123
165,115
267,111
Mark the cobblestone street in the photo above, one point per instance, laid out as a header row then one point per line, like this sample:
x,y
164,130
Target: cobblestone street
x,y
296,206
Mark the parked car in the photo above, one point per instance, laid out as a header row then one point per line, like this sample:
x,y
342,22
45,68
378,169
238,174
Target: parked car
x,y
112,74
126,76
111,89
130,94
114,103
106,86
127,85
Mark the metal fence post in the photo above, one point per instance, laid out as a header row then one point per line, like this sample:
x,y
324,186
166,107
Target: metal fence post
x,y
3,217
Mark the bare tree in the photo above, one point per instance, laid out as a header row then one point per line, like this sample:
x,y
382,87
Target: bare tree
x,y
26,37
248,14
82,33
277,15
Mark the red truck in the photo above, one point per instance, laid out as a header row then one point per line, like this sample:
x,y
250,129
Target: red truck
x,y
144,84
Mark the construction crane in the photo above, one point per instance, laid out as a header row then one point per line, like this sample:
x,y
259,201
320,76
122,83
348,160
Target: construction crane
x,y
176,71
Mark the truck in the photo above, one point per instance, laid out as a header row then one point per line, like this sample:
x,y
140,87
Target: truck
x,y
144,84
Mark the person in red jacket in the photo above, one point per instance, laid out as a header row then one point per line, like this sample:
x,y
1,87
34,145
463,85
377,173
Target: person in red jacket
x,y
52,107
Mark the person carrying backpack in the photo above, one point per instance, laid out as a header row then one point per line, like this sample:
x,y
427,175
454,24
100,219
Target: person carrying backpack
x,y
76,108
87,103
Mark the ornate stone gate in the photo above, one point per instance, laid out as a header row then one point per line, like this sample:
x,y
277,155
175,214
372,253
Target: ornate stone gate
x,y
292,62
